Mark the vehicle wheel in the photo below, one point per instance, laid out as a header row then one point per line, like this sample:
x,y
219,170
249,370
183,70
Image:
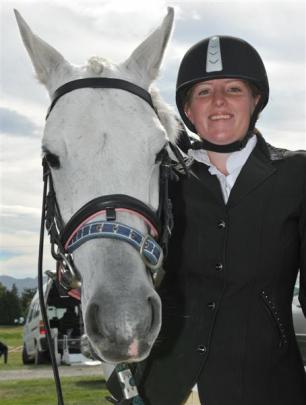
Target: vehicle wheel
x,y
40,357
25,357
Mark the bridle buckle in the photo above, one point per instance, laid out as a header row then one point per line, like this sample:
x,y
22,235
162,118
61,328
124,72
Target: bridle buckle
x,y
153,267
67,275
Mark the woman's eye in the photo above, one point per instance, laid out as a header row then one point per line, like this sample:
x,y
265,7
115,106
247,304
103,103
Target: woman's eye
x,y
234,89
203,92
53,160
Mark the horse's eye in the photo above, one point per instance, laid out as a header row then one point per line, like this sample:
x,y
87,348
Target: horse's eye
x,y
53,160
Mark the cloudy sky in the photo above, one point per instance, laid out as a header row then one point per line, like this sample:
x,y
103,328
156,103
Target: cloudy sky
x,y
113,28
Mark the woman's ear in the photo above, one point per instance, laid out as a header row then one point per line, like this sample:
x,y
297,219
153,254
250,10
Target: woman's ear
x,y
256,99
188,113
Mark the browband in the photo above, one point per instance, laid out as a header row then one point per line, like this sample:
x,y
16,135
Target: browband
x,y
100,82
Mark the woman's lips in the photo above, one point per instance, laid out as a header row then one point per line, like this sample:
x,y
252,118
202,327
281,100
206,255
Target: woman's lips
x,y
217,117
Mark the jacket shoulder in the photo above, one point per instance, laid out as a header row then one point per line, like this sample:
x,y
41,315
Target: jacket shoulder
x,y
281,153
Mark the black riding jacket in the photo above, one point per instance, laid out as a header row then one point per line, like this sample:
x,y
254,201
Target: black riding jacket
x,y
227,293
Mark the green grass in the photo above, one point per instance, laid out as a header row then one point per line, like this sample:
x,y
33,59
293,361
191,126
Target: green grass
x,y
12,337
76,391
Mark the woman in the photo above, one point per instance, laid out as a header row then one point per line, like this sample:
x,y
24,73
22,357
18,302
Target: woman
x,y
238,243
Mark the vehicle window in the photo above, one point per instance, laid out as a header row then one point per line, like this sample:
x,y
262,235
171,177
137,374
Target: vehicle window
x,y
33,311
56,312
30,314
51,311
36,310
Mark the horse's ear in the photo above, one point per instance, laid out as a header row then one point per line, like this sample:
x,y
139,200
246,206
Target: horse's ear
x,y
44,57
147,57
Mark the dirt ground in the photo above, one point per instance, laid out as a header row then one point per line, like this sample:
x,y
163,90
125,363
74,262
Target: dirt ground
x,y
46,372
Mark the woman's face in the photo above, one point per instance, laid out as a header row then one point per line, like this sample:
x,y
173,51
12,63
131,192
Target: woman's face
x,y
221,109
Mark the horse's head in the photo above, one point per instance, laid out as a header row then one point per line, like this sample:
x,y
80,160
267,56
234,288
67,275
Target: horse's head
x,y
102,142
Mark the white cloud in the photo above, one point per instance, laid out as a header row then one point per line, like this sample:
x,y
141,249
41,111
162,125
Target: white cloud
x,y
294,140
14,123
22,247
15,210
21,183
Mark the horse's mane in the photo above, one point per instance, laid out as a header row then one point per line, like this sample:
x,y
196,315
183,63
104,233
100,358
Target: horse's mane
x,y
166,114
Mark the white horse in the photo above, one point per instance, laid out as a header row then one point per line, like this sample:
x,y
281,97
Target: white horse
x,y
102,142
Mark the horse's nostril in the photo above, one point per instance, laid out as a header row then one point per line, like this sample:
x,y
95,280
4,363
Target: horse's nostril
x,y
155,310
93,313
152,314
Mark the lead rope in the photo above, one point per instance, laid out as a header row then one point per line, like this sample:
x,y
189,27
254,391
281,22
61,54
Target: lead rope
x,y
60,399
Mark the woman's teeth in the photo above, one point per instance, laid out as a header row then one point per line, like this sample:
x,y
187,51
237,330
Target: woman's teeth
x,y
220,117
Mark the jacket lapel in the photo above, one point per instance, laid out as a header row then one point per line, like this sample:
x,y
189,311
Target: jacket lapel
x,y
200,173
256,170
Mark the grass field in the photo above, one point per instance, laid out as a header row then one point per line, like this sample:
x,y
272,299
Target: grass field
x,y
76,390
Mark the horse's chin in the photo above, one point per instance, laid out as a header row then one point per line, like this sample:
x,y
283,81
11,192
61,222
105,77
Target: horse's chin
x,y
114,353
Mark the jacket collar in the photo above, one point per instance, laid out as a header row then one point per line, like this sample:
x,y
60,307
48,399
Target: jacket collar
x,y
257,169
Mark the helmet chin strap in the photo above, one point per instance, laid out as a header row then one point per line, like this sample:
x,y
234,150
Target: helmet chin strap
x,y
231,147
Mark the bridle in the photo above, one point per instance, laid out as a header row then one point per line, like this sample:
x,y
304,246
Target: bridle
x,y
98,217
86,224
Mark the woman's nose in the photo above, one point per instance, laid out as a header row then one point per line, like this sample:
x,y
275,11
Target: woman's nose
x,y
219,98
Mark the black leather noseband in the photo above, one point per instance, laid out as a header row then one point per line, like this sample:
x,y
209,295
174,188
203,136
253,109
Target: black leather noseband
x,y
109,202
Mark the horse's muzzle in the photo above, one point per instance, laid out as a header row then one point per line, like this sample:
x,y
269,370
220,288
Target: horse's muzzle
x,y
123,328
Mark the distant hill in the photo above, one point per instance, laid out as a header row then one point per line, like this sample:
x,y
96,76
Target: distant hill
x,y
21,283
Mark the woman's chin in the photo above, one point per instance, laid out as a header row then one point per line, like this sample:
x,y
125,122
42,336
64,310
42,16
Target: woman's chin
x,y
221,138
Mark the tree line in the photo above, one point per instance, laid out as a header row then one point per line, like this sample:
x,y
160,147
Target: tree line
x,y
12,305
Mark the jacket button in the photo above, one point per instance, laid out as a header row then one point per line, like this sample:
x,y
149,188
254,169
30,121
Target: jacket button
x,y
211,305
221,224
202,349
219,266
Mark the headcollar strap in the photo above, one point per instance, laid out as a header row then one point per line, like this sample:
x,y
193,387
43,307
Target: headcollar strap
x,y
148,248
100,82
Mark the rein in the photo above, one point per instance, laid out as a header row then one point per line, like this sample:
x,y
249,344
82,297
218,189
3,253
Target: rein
x,y
98,219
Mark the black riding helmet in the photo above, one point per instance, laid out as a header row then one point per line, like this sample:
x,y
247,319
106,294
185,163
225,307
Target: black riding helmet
x,y
221,57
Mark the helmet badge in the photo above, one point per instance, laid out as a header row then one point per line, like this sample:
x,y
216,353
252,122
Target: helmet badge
x,y
213,57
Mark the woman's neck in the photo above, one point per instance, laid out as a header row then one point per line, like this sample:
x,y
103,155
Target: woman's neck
x,y
219,160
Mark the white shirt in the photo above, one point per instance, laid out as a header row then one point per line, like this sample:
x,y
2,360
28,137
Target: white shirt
x,y
234,164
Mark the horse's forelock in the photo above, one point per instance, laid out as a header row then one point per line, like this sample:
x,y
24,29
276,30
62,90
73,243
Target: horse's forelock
x,y
97,64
